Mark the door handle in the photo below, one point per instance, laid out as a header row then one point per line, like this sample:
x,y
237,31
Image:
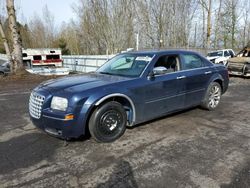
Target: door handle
x,y
208,72
181,77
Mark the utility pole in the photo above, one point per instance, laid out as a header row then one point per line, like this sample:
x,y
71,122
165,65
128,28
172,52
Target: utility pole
x,y
137,41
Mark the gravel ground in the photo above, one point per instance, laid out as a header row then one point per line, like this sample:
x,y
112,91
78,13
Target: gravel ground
x,y
194,148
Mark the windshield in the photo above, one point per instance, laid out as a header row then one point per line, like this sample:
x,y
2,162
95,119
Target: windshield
x,y
214,54
128,65
5,64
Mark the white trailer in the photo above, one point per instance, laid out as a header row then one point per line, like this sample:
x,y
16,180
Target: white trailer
x,y
44,61
42,57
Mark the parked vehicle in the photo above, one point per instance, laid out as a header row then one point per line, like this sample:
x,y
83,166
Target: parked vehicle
x,y
240,65
129,89
4,69
220,56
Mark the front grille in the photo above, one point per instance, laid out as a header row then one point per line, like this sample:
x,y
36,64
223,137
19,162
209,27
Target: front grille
x,y
35,105
235,65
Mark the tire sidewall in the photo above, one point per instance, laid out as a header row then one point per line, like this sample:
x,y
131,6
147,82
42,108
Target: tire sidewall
x,y
1,75
95,120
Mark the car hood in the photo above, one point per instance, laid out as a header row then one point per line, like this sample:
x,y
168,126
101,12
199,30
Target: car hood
x,y
239,60
212,58
80,82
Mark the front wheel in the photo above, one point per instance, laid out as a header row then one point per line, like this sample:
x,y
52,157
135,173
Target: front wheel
x,y
212,97
1,75
108,122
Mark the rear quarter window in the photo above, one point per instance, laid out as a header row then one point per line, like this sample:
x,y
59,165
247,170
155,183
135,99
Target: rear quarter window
x,y
191,61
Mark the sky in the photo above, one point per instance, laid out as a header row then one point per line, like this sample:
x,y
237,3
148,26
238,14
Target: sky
x,y
60,9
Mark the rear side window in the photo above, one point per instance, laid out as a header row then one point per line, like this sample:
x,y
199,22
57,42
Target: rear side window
x,y
231,53
226,53
191,61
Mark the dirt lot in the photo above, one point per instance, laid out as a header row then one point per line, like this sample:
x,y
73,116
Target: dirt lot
x,y
195,148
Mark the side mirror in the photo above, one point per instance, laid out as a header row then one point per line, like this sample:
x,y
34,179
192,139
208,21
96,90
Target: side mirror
x,y
160,70
157,71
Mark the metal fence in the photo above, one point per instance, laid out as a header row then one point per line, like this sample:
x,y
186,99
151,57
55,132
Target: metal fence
x,y
84,63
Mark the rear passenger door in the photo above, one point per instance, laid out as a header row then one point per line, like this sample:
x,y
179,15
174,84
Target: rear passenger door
x,y
195,75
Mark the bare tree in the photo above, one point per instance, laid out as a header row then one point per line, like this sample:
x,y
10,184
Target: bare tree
x,y
217,25
5,42
17,63
246,22
49,26
109,26
207,6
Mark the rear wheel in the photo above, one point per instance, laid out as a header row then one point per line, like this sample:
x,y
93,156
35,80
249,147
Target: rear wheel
x,y
108,122
212,97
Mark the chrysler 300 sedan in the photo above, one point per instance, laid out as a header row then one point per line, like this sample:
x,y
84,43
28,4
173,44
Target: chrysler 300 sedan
x,y
129,89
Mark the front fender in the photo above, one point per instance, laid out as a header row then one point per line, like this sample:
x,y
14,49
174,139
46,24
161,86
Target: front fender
x,y
96,99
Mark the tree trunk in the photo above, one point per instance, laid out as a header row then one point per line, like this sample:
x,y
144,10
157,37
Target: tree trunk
x,y
5,43
217,25
209,23
17,46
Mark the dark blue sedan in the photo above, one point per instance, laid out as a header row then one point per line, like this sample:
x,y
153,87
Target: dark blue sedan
x,y
129,89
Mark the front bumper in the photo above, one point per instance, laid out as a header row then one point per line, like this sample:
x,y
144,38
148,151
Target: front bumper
x,y
54,122
238,69
58,127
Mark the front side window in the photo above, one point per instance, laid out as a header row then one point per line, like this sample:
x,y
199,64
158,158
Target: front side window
x,y
191,61
170,62
215,54
128,65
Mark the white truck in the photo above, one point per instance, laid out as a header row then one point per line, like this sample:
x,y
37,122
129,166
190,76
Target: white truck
x,y
220,56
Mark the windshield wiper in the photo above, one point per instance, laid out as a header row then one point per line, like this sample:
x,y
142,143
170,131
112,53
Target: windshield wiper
x,y
105,73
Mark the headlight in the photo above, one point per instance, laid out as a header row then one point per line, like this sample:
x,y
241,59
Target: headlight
x,y
59,103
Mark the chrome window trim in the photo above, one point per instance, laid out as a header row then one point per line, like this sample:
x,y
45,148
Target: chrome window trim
x,y
180,71
147,66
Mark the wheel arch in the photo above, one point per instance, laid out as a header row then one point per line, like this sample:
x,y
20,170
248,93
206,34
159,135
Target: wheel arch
x,y
219,81
124,100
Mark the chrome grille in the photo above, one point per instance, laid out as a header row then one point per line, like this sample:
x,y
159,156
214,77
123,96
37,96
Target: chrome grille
x,y
35,105
235,65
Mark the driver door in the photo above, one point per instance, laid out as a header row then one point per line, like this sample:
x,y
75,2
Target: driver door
x,y
162,92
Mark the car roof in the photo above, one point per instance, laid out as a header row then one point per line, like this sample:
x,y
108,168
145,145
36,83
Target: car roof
x,y
159,52
220,50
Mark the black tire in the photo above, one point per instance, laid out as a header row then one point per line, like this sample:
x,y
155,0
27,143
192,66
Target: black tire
x,y
212,97
1,74
108,122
